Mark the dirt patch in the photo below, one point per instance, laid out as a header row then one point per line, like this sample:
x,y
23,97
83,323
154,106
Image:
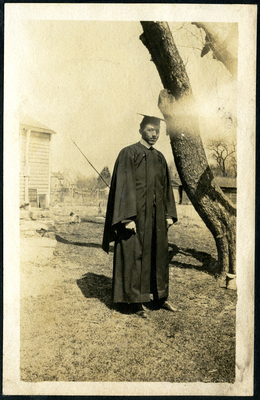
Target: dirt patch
x,y
70,331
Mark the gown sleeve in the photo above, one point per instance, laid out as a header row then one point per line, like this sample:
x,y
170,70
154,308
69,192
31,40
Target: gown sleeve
x,y
121,203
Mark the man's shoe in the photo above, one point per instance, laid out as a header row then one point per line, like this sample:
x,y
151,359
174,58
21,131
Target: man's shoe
x,y
167,306
139,311
141,314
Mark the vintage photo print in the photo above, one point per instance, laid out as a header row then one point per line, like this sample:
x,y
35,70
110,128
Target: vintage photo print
x,y
129,142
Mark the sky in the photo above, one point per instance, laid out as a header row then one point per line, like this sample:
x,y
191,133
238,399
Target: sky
x,y
88,80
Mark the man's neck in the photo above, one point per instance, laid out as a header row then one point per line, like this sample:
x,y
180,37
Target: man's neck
x,y
144,143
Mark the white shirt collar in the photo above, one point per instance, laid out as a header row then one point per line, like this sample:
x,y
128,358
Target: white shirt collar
x,y
144,143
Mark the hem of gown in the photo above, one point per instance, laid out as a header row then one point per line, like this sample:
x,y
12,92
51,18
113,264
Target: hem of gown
x,y
146,298
162,294
142,299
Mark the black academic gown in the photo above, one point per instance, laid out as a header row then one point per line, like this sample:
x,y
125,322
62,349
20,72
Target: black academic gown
x,y
140,191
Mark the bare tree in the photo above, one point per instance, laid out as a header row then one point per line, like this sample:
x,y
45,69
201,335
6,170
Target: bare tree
x,y
176,103
233,165
104,176
221,152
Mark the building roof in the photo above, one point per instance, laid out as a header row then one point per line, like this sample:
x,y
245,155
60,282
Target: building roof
x,y
30,123
222,181
226,182
57,175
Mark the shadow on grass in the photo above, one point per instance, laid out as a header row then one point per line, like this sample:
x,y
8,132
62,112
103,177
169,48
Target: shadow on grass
x,y
100,287
97,287
82,244
209,264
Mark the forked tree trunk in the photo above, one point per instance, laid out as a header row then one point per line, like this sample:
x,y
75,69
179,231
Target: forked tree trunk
x,y
221,49
176,103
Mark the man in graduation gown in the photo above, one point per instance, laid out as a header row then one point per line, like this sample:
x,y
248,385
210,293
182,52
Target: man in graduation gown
x,y
140,209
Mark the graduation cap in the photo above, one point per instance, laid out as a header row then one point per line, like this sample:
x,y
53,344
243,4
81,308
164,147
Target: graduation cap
x,y
148,119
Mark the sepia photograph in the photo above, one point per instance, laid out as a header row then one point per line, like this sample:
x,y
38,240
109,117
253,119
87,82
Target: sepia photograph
x,y
129,229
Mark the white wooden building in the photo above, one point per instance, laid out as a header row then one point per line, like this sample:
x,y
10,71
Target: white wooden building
x,y
35,162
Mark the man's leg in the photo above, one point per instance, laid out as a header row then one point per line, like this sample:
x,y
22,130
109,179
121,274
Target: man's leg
x,y
153,282
158,303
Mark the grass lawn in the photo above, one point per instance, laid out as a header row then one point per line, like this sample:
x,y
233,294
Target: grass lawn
x,y
70,331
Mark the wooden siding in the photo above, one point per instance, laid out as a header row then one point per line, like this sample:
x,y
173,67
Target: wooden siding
x,y
34,161
39,160
39,163
176,195
22,145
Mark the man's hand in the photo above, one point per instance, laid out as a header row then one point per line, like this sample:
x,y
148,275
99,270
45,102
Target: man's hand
x,y
169,222
131,226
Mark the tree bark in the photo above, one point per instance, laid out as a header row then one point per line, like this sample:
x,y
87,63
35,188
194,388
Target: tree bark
x,y
222,52
177,105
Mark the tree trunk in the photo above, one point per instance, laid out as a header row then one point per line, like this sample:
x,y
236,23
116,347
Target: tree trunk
x,y
177,105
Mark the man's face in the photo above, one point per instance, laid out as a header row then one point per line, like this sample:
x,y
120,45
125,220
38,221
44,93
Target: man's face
x,y
150,133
